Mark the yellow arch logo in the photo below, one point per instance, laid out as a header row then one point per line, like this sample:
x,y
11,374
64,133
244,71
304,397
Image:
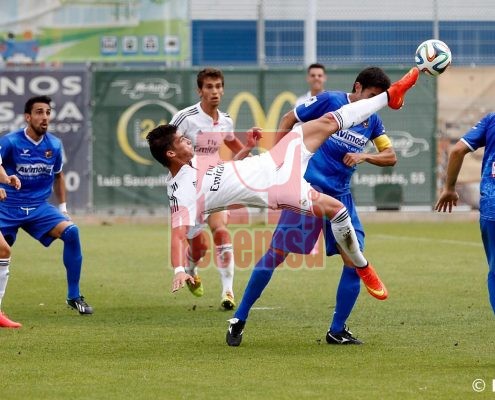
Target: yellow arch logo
x,y
269,121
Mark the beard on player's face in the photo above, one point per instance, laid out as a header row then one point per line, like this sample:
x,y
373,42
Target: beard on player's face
x,y
40,129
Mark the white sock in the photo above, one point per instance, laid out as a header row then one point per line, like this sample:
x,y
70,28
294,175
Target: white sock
x,y
358,111
225,265
344,234
4,277
192,266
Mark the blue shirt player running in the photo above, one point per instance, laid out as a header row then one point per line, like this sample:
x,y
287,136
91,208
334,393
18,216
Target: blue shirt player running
x,y
330,171
35,156
481,135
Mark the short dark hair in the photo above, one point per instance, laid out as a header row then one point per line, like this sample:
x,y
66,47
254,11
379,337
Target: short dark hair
x,y
372,77
209,73
161,140
28,107
316,65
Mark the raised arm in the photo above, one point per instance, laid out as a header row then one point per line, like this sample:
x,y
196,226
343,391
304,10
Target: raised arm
x,y
235,145
253,135
286,124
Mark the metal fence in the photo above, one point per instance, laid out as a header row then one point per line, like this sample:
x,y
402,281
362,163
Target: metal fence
x,y
354,32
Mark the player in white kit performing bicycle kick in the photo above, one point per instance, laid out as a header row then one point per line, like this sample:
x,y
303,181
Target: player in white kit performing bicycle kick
x,y
271,180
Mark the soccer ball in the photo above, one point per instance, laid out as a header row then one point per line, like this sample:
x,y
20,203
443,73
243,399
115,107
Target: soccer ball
x,y
433,57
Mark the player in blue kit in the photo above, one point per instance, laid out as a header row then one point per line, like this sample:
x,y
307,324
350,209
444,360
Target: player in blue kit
x,y
481,135
35,156
329,171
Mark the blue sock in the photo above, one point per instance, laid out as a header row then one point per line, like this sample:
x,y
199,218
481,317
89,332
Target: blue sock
x,y
72,259
347,294
488,236
491,288
261,275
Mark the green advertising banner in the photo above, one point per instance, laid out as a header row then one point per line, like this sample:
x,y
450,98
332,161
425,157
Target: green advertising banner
x,y
261,97
129,103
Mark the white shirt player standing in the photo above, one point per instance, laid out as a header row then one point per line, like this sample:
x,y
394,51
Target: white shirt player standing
x,y
208,128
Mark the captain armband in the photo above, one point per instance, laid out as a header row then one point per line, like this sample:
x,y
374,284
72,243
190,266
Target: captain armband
x,y
382,142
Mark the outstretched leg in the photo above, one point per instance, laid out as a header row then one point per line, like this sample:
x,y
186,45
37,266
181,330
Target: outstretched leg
x,y
325,206
318,130
261,275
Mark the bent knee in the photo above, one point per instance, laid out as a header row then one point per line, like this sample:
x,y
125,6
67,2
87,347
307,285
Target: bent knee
x,y
324,204
70,233
221,235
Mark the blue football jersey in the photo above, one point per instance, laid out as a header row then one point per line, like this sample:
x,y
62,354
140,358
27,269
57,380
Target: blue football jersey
x,y
326,171
483,135
34,163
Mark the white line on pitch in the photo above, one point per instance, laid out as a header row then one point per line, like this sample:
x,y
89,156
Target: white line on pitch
x,y
420,239
264,308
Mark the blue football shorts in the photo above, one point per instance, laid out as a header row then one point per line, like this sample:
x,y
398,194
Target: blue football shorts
x,y
37,221
297,233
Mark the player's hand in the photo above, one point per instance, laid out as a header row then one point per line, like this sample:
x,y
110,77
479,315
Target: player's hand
x,y
352,159
253,135
180,280
447,199
14,181
3,194
62,207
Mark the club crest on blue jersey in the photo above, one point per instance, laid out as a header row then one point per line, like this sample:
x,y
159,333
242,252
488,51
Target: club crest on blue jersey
x,y
48,154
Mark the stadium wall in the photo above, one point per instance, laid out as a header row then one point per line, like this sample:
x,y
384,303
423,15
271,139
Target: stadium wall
x,y
353,33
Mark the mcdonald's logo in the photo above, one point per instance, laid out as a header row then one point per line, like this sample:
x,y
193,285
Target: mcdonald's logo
x,y
268,121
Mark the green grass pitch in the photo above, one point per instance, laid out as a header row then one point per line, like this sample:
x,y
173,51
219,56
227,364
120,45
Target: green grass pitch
x,y
430,340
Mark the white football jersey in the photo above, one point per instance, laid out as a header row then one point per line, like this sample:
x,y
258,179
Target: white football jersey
x,y
207,135
273,179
